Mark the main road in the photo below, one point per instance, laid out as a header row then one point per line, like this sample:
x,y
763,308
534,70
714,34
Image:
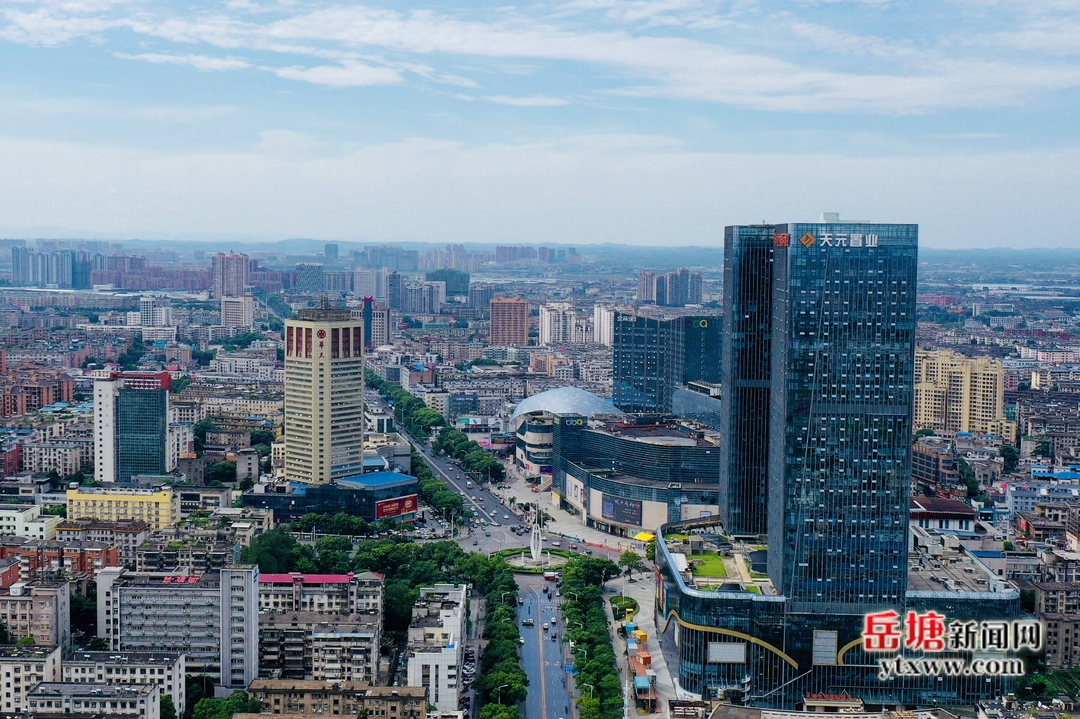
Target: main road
x,y
541,658
484,505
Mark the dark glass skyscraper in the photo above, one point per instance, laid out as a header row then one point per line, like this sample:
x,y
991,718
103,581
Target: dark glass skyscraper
x,y
654,354
141,432
818,398
746,372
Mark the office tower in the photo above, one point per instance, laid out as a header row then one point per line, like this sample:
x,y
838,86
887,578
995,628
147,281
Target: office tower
x,y
746,372
394,294
324,400
654,354
330,251
367,308
230,274
238,311
480,295
831,308
509,322
309,278
131,425
603,325
557,320
954,393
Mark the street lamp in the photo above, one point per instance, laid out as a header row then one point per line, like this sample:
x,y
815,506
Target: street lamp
x,y
498,693
591,687
585,651
580,624
574,595
505,593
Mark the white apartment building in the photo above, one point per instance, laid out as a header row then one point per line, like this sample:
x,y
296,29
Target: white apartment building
x,y
213,618
23,668
557,320
238,311
19,520
138,701
436,640
603,320
165,670
341,593
63,456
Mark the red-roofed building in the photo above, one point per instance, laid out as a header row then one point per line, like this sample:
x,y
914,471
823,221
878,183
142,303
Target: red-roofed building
x,y
943,514
350,593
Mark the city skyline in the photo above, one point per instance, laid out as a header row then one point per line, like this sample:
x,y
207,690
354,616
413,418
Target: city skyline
x,y
511,124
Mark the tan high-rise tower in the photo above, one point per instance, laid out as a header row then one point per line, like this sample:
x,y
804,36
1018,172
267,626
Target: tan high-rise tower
x,y
324,396
509,322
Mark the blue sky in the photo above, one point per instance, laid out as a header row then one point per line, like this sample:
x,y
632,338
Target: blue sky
x,y
640,121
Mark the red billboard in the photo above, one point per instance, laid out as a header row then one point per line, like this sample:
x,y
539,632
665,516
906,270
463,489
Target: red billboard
x,y
395,507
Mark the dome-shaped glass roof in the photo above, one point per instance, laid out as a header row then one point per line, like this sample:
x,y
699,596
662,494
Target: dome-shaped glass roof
x,y
566,400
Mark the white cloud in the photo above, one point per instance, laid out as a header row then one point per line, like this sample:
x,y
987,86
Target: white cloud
x,y
199,62
349,74
535,101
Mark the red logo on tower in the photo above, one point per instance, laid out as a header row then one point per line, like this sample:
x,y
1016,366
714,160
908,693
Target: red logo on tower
x,y
781,239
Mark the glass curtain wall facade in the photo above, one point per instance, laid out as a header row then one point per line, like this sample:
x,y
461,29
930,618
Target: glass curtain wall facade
x,y
652,356
141,432
843,348
746,371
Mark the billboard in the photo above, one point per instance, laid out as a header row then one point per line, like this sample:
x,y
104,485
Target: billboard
x,y
625,511
395,507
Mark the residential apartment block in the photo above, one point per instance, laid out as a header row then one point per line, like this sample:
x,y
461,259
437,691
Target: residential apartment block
x,y
159,508
165,670
38,609
954,393
321,646
436,640
349,593
62,699
22,669
283,697
213,618
20,520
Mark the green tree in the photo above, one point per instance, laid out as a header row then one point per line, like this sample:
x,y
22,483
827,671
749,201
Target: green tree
x,y
98,644
1010,458
967,476
631,562
26,641
237,702
83,614
278,552
1043,448
199,430
262,436
224,471
168,709
925,433
650,551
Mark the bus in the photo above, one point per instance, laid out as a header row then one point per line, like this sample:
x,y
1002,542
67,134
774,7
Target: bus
x,y
468,485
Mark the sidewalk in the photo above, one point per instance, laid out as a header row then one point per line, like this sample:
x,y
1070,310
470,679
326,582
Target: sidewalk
x,y
643,592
